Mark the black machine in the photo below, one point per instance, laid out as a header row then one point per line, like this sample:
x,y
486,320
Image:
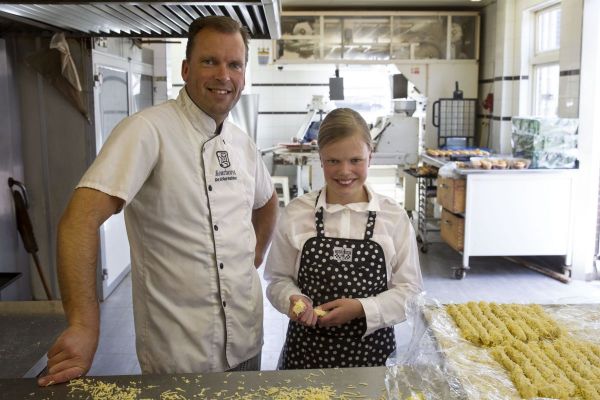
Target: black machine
x,y
454,119
336,87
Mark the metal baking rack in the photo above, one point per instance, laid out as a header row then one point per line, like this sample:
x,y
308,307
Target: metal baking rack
x,y
426,223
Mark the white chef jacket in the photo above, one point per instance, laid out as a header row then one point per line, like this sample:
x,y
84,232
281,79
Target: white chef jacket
x,y
393,231
189,198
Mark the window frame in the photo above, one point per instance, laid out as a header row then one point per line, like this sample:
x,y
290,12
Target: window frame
x,y
540,59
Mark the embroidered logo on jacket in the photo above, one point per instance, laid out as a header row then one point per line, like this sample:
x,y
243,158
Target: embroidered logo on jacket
x,y
223,158
224,174
341,254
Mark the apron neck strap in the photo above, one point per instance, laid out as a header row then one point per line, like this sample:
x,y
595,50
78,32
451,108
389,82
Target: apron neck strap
x,y
370,225
320,225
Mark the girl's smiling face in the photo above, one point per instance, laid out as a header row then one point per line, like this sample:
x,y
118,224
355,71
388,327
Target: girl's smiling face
x,y
345,163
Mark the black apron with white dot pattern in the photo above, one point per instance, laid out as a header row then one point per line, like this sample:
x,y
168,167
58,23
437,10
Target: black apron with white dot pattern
x,y
333,268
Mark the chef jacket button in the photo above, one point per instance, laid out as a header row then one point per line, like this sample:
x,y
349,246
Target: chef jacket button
x,y
224,304
221,265
209,188
216,228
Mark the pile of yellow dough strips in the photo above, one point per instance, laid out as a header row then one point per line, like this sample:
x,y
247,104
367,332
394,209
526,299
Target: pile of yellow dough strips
x,y
542,359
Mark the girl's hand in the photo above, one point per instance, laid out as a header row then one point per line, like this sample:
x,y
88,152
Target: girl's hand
x,y
301,310
341,311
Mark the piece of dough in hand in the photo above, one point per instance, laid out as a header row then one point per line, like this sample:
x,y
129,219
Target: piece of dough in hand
x,y
299,307
320,312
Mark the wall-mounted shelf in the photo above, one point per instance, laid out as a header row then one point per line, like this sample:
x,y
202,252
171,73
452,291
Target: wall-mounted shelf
x,y
377,37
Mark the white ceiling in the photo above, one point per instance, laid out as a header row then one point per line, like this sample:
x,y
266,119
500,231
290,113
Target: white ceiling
x,y
382,4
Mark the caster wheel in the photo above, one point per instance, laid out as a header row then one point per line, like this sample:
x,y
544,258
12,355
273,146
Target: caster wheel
x,y
424,249
566,270
459,273
419,239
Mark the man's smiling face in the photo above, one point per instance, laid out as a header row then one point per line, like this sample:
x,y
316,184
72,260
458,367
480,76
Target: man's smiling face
x,y
215,72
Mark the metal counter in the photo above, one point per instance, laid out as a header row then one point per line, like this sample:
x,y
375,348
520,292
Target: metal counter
x,y
441,161
515,212
27,330
351,383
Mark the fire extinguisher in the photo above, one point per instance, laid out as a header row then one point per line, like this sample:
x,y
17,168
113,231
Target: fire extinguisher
x,y
488,103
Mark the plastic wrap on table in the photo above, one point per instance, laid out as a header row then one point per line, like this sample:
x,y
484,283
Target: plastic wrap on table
x,y
448,170
451,367
555,159
548,142
419,371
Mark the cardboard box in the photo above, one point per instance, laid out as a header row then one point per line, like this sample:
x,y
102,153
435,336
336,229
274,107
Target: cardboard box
x,y
452,230
451,194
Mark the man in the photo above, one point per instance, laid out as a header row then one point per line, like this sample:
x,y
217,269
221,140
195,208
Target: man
x,y
199,210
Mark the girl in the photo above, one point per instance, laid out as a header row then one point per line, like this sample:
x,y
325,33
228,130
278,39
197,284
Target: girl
x,y
346,252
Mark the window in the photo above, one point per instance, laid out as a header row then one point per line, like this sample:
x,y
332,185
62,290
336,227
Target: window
x,y
544,62
546,93
547,29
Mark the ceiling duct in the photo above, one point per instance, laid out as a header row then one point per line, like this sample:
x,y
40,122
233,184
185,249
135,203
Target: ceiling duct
x,y
142,18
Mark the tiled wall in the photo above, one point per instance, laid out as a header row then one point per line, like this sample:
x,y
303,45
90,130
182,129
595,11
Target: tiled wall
x,y
284,94
587,223
504,69
597,246
486,76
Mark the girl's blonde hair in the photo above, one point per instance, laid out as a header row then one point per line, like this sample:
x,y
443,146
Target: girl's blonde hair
x,y
342,123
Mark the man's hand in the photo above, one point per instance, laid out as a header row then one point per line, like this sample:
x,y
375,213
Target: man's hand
x,y
341,311
306,317
71,355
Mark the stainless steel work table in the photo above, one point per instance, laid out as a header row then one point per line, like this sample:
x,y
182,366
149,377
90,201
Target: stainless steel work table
x,y
353,383
27,330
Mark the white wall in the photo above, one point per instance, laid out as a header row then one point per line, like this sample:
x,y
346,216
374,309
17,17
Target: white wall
x,y
586,199
487,67
284,96
506,28
286,92
438,81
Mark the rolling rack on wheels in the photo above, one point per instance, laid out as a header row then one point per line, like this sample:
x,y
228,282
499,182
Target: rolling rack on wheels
x,y
454,119
426,223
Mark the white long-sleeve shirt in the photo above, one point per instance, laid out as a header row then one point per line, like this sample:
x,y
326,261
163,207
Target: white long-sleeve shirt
x,y
393,231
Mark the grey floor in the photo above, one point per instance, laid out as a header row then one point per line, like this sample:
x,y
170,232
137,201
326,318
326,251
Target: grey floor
x,y
490,279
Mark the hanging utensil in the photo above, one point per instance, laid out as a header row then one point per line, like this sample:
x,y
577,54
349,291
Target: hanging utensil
x,y
19,193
